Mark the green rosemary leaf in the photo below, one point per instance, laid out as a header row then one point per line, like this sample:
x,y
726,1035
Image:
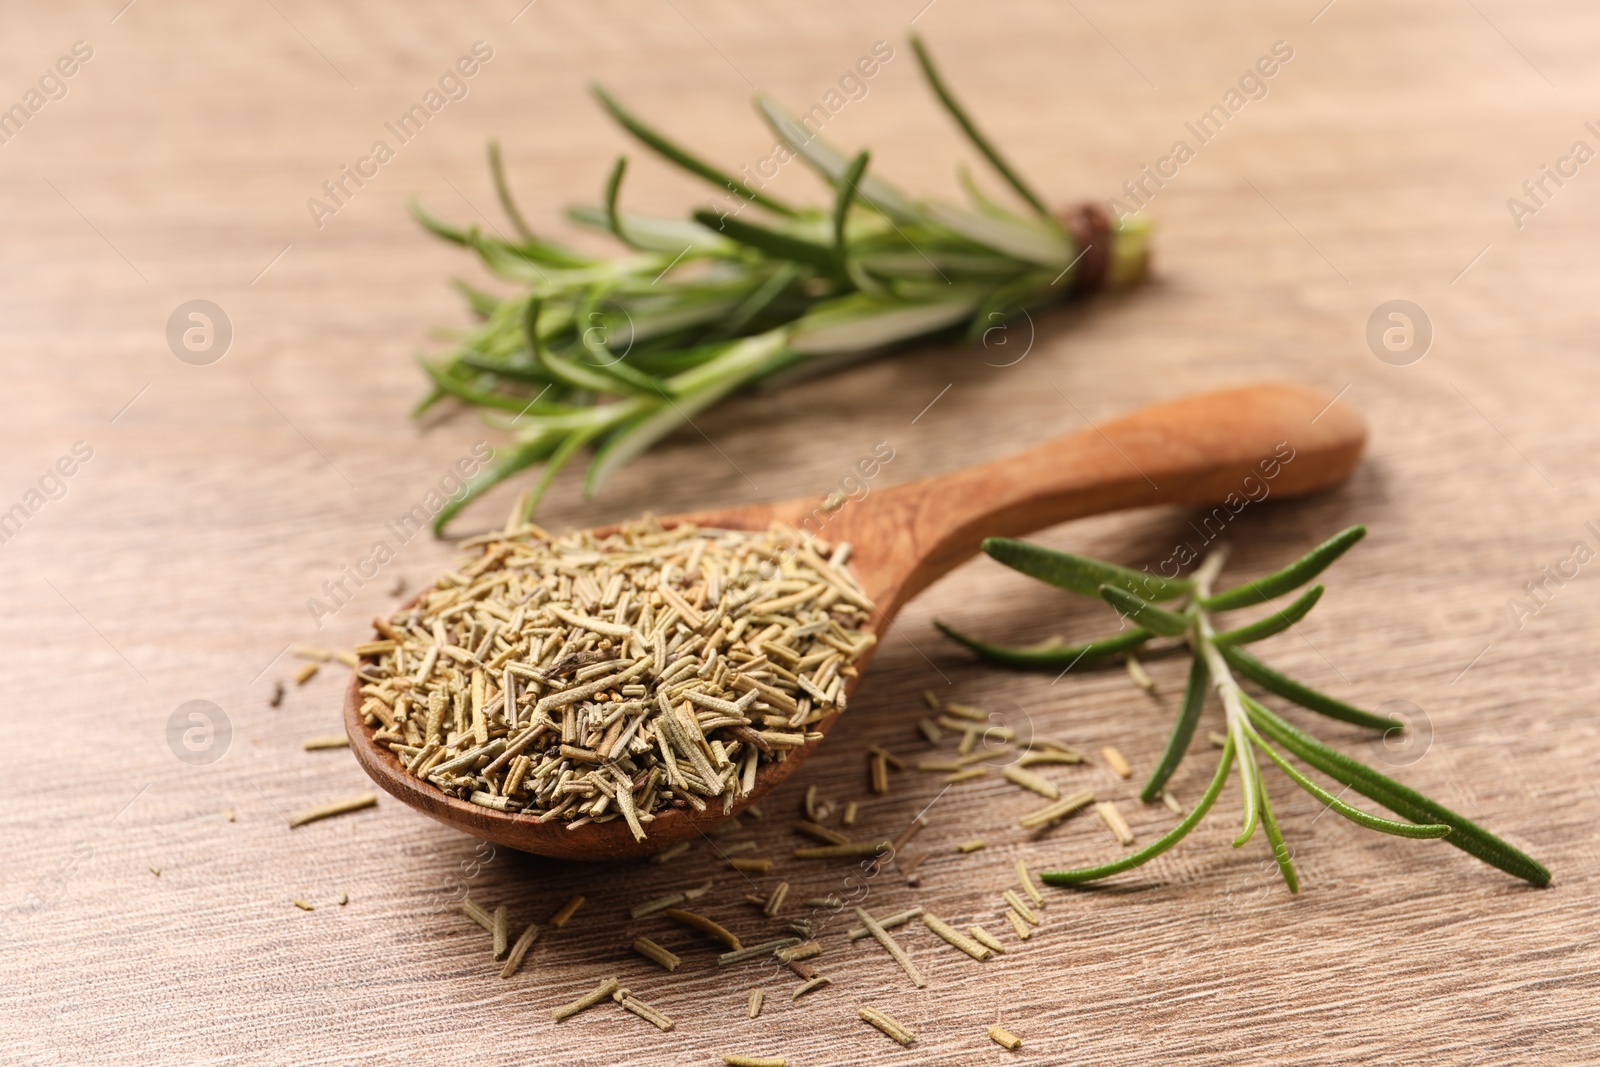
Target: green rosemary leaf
x,y
483,304
979,141
844,195
536,419
688,161
630,378
734,369
569,447
449,384
488,364
1080,574
862,322
1027,241
508,261
756,303
432,397
530,252
630,440
1272,624
608,363
1291,577
1048,658
877,194
523,456
502,191
671,237
669,318
1280,851
1354,814
1006,302
561,369
613,190
1464,833
980,199
770,242
1304,695
435,225
1172,837
1194,699
740,361
1146,614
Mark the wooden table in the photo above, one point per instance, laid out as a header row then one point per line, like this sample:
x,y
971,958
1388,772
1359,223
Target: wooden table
x,y
143,925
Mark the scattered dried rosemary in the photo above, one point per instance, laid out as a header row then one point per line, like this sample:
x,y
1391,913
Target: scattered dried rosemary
x,y
587,678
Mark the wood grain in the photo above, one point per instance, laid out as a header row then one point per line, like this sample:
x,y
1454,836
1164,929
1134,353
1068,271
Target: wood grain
x,y
179,562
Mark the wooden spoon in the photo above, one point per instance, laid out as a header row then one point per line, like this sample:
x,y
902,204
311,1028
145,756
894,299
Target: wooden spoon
x,y
1198,450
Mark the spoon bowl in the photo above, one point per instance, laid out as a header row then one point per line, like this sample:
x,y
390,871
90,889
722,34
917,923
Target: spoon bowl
x,y
1193,451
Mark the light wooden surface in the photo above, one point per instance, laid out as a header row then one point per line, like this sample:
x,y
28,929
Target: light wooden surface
x,y
180,560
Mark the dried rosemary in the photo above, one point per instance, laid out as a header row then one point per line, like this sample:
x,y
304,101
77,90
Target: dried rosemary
x,y
956,937
616,354
888,922
519,950
591,678
603,991
1250,726
338,807
655,953
986,939
1004,1037
892,946
568,910
889,1026
710,927
1020,907
642,1010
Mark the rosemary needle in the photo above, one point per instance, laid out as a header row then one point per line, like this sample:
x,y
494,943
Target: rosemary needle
x,y
519,950
601,992
338,807
892,946
888,1025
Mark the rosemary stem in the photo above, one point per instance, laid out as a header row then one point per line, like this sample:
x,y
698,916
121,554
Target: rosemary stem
x,y
1205,636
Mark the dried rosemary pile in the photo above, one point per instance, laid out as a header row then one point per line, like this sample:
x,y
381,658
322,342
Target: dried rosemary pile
x,y
615,354
593,678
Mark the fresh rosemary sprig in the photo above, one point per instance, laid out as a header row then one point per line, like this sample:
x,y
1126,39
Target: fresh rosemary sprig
x,y
615,354
1251,727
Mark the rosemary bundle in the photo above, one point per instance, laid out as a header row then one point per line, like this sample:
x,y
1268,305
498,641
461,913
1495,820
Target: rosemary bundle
x,y
1252,728
615,354
588,678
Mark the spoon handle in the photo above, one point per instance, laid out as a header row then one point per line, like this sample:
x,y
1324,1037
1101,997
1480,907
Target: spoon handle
x,y
1226,448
